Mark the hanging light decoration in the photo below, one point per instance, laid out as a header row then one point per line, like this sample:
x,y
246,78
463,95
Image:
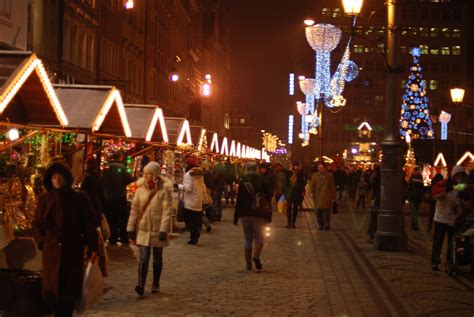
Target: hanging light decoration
x,y
323,38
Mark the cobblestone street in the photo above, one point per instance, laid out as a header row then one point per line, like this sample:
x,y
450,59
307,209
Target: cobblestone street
x,y
306,273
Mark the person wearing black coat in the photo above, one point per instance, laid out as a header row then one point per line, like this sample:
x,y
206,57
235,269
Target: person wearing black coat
x,y
63,225
253,222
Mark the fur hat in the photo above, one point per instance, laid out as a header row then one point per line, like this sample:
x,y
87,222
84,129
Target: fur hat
x,y
57,167
191,161
457,169
154,168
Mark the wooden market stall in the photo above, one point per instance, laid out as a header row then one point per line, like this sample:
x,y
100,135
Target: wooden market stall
x,y
27,102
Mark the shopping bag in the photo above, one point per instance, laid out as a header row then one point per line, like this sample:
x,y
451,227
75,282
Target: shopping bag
x,y
104,226
92,287
281,204
334,207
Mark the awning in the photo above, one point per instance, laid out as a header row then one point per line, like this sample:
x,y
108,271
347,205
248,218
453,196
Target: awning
x,y
147,123
26,94
94,109
199,137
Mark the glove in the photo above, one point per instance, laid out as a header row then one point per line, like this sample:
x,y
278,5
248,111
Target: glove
x,y
163,236
132,235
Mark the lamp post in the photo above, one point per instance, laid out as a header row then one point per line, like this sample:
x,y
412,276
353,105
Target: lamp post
x,y
457,95
390,235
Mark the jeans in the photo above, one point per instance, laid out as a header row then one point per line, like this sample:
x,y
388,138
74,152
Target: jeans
x,y
193,221
145,252
253,233
324,218
292,212
117,216
440,230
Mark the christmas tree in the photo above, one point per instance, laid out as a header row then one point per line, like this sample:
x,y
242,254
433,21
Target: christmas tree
x,y
415,118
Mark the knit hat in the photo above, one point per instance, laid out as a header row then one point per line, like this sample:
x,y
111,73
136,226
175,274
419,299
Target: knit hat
x,y
154,168
457,169
191,161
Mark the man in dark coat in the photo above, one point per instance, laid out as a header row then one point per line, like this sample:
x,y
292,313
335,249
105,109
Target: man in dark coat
x,y
218,185
115,180
63,225
295,183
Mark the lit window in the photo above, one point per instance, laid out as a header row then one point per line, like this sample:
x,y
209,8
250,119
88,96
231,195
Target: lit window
x,y
403,84
445,50
456,33
433,84
326,12
434,32
404,33
456,50
445,32
424,49
369,49
358,49
424,32
336,13
379,99
434,51
242,120
403,49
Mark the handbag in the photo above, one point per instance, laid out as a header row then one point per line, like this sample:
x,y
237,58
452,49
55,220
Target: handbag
x,y
92,287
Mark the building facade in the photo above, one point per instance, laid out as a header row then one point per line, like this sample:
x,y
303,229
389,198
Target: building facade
x,y
136,49
439,27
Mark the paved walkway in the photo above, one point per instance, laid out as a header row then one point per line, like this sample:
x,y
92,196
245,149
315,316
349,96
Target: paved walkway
x,y
306,273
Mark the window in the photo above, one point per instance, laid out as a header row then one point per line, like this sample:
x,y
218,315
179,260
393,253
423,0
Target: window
x,y
67,40
336,13
75,44
403,49
456,50
434,51
379,100
456,33
367,83
434,32
433,84
242,120
435,14
424,32
445,50
358,48
424,49
325,12
455,67
445,32
434,67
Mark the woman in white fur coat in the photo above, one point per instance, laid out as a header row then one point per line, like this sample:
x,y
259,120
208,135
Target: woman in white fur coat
x,y
150,221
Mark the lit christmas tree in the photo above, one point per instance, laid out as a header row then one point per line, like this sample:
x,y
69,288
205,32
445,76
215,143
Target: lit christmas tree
x,y
415,116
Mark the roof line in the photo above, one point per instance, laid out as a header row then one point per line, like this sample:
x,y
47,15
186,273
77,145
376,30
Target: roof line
x,y
83,86
136,105
5,52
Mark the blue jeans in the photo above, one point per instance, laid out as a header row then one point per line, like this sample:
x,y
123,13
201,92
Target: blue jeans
x,y
145,252
253,233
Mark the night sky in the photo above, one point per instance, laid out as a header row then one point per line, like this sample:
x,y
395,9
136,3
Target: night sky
x,y
262,32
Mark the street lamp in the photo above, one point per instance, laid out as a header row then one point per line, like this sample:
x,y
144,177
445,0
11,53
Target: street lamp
x,y
457,95
390,235
308,21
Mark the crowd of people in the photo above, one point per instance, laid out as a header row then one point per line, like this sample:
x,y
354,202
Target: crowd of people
x,y
70,223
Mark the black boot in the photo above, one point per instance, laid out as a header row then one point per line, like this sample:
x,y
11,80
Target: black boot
x,y
248,259
142,272
157,267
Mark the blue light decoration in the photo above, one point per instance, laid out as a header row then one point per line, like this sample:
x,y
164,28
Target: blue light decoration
x,y
292,84
352,70
415,116
291,120
444,118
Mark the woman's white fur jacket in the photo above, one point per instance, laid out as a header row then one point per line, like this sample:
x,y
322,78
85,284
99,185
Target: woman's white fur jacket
x,y
157,216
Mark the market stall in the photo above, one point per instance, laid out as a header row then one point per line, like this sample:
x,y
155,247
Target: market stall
x,y
29,107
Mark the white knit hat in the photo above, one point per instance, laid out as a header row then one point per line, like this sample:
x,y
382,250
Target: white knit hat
x,y
457,169
154,168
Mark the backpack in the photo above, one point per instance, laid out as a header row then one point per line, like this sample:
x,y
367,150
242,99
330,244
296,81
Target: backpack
x,y
260,204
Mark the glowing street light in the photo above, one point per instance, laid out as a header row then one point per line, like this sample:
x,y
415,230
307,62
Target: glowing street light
x,y
309,21
206,89
457,95
352,7
13,134
129,4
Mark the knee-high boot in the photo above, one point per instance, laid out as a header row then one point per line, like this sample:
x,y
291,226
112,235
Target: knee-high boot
x,y
157,267
248,259
142,272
